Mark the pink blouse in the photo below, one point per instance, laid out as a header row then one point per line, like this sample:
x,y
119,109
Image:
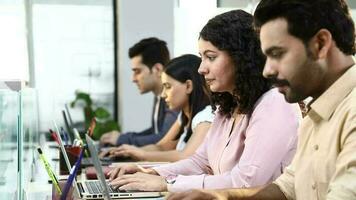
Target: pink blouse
x,y
254,154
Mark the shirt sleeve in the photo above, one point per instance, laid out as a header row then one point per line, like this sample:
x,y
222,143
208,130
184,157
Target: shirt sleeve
x,y
170,117
191,167
205,115
148,136
270,143
343,184
142,138
267,143
286,182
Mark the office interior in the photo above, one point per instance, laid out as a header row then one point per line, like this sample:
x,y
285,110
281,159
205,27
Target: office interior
x,y
51,49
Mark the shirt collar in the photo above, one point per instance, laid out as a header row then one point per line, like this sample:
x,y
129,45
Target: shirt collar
x,y
325,105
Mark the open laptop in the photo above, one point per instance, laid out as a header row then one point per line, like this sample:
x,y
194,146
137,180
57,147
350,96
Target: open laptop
x,y
78,187
68,126
86,162
98,189
94,189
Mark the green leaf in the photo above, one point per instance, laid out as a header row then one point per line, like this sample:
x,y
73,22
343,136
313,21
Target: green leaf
x,y
102,113
82,96
104,123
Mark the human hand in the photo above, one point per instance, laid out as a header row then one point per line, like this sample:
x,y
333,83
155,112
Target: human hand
x,y
197,194
125,169
105,152
131,151
140,181
109,138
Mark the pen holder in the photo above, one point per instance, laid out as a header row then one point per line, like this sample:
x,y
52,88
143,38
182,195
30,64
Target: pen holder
x,y
56,196
73,154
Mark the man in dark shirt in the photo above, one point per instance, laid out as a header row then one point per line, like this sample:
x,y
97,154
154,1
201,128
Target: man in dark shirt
x,y
148,59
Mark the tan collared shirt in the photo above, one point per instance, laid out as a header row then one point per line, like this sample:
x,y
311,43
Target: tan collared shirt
x,y
324,166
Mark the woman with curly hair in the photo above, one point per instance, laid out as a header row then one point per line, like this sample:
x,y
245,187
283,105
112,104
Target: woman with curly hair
x,y
254,133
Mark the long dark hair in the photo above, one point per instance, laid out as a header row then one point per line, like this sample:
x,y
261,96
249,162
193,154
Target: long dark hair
x,y
185,68
233,32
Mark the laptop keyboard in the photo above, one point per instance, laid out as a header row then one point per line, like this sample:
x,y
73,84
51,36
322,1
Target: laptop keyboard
x,y
95,187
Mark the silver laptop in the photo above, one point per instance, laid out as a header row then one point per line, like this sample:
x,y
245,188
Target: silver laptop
x,y
99,189
72,131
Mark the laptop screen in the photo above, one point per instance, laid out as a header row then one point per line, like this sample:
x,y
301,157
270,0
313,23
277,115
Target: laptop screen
x,y
97,165
68,125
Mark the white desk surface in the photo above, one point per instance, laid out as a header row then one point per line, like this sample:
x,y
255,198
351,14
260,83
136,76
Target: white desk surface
x,y
40,189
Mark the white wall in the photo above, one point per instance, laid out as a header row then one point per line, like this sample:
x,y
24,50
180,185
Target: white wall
x,y
139,19
178,22
13,48
188,24
191,16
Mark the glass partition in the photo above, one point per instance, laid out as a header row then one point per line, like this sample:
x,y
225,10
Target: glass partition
x,y
30,134
18,141
9,112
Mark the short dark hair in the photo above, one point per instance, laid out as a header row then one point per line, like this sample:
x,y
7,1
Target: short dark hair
x,y
233,32
306,17
152,50
185,68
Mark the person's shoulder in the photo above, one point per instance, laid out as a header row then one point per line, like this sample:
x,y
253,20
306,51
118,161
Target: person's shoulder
x,y
271,97
206,110
349,101
219,116
273,101
353,94
206,113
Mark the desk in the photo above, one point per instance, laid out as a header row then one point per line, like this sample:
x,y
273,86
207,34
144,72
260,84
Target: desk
x,y
39,188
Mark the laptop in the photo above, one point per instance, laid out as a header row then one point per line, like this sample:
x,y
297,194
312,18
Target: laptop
x,y
68,126
86,162
78,188
99,189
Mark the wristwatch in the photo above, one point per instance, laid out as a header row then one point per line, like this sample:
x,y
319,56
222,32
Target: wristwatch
x,y
171,179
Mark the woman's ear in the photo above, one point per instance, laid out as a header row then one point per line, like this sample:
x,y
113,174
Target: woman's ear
x,y
189,85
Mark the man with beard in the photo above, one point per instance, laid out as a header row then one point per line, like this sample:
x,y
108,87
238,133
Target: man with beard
x,y
309,47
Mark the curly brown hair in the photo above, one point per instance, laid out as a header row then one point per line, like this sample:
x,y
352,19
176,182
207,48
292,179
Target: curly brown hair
x,y
234,33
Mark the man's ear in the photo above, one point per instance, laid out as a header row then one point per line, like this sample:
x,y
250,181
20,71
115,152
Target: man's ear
x,y
189,84
321,43
158,67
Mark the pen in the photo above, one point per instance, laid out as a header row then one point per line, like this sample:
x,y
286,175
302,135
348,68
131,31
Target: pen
x,y
92,127
65,136
54,136
72,175
49,171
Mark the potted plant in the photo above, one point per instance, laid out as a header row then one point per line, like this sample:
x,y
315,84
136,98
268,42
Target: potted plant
x,y
104,122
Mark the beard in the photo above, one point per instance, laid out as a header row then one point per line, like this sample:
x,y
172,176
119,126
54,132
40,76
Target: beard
x,y
304,81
